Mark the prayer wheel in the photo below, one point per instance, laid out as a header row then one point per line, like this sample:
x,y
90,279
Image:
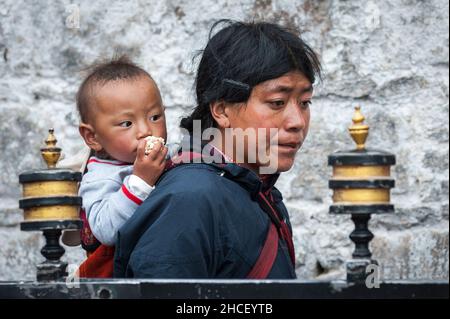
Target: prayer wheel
x,y
361,185
50,204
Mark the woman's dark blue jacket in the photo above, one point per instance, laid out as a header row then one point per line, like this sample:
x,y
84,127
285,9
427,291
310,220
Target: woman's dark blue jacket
x,y
201,221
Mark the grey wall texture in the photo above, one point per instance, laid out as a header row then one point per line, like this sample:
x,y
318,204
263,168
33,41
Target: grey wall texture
x,y
389,56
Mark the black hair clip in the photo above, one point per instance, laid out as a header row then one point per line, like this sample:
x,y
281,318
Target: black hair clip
x,y
237,85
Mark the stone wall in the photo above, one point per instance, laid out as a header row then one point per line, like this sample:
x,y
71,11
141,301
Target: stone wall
x,y
389,56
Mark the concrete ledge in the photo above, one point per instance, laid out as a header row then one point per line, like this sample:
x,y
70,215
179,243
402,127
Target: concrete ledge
x,y
222,289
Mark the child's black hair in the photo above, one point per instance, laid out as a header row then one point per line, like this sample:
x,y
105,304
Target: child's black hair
x,y
119,68
242,55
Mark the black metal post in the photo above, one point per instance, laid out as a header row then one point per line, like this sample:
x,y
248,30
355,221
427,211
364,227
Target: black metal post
x,y
361,236
52,268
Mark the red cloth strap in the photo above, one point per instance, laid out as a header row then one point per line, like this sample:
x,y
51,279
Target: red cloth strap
x,y
99,264
264,263
185,157
284,229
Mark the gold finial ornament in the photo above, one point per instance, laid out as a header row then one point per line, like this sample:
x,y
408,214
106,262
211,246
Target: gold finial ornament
x,y
358,130
51,153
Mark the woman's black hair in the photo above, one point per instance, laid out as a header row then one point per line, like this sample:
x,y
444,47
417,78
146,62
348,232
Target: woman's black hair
x,y
242,55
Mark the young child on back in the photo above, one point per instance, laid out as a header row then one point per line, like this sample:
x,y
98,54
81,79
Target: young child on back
x,y
119,106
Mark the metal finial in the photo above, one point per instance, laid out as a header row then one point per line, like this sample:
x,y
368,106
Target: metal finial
x,y
51,153
358,130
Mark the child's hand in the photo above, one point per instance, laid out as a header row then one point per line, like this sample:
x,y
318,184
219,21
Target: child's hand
x,y
150,167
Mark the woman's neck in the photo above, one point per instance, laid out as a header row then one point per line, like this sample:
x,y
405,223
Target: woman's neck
x,y
219,145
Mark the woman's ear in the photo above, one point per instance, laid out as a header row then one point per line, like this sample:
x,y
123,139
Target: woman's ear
x,y
220,113
88,134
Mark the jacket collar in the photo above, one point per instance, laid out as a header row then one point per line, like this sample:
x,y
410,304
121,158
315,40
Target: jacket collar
x,y
248,179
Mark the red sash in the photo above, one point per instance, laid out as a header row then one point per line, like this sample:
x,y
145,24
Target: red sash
x,y
99,264
269,252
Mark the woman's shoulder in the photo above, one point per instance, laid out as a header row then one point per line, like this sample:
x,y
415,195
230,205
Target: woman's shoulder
x,y
192,177
198,183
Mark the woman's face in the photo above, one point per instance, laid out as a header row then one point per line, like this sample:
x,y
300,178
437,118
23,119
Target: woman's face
x,y
281,104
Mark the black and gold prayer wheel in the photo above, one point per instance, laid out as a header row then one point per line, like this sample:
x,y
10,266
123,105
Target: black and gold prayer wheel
x,y
50,203
361,185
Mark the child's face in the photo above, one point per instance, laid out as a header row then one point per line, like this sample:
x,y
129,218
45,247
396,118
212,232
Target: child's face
x,y
125,112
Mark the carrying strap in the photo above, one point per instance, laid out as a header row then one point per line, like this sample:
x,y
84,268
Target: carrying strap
x,y
185,157
266,259
99,264
264,263
281,224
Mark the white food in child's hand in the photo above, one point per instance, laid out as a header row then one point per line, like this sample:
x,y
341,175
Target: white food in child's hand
x,y
151,141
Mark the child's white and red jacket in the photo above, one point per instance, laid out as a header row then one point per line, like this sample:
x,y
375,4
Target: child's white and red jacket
x,y
111,194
